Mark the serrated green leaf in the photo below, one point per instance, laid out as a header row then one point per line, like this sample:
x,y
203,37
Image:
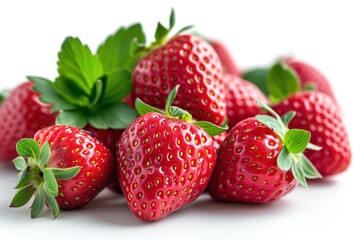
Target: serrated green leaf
x,y
161,32
65,174
309,169
170,99
72,118
51,182
38,204
71,90
23,196
287,117
115,52
20,163
76,62
272,123
298,174
284,159
296,140
144,108
49,95
115,116
258,77
28,147
117,86
23,179
313,147
210,128
52,203
44,155
282,81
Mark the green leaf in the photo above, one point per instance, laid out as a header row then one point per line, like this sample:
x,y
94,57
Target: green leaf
x,y
65,173
115,116
313,147
210,128
170,99
72,118
20,163
28,147
52,203
117,85
270,110
97,92
51,182
180,113
115,52
38,204
71,90
76,62
296,140
282,81
172,19
23,179
144,108
287,117
161,32
284,159
309,169
44,155
3,95
298,174
272,123
258,77
49,95
23,196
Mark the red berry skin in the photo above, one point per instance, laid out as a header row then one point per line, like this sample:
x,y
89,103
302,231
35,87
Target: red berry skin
x,y
109,137
309,75
190,62
319,114
21,115
241,99
246,168
72,147
163,164
218,139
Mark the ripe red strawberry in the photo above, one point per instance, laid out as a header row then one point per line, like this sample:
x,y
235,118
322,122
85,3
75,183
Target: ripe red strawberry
x,y
109,137
184,60
164,160
241,99
218,139
258,164
227,61
21,115
309,76
67,172
318,113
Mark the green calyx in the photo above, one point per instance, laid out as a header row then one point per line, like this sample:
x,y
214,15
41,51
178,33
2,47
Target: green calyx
x,y
295,141
3,95
178,113
90,87
36,178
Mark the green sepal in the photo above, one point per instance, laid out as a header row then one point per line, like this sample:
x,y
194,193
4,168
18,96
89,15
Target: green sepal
x,y
170,99
117,85
3,95
44,155
52,203
51,183
272,123
23,179
210,128
115,116
20,163
64,173
161,32
282,81
28,147
296,140
298,174
313,147
180,113
22,196
310,87
144,108
284,159
49,95
287,117
184,29
97,92
309,169
258,77
77,118
172,19
39,203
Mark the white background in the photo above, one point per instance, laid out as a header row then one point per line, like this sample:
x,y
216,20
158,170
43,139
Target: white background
x,y
323,33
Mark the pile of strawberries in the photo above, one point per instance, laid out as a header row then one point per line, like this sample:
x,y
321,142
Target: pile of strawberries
x,y
164,122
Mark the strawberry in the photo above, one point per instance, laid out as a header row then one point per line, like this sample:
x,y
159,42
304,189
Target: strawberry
x,y
21,115
261,160
65,167
240,99
184,60
227,61
164,160
318,113
218,139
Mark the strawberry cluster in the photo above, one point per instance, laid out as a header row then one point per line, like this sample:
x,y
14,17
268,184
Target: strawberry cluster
x,y
163,123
